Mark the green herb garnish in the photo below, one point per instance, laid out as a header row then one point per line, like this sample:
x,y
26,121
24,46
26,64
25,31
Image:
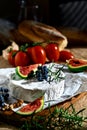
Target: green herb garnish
x,y
55,75
58,119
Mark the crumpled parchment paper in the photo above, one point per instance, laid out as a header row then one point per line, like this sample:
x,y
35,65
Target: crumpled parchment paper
x,y
75,83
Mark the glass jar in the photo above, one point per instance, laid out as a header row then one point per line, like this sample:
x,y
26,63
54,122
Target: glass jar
x,y
29,10
22,10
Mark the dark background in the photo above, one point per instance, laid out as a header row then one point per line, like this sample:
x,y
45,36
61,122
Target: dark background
x,y
50,12
9,9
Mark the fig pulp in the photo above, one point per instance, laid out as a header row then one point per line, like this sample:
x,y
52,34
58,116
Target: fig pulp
x,y
77,65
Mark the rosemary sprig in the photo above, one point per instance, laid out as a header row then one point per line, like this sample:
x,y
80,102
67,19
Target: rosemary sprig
x,y
58,119
55,75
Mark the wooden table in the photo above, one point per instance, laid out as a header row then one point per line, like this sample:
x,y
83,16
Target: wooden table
x,y
79,101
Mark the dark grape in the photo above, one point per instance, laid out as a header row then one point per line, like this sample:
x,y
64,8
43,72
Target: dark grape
x,y
1,89
1,99
3,96
42,73
30,75
6,95
39,76
39,67
6,90
45,68
45,77
2,105
40,79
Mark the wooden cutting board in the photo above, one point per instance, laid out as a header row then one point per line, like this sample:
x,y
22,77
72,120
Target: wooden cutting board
x,y
12,118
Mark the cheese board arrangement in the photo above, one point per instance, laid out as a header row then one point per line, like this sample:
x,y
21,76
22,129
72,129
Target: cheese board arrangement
x,y
19,105
41,74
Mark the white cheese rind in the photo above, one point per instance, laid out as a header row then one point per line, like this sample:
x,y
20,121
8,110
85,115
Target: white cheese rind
x,y
29,90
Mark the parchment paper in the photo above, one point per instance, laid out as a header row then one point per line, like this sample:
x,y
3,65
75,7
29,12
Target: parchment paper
x,y
75,83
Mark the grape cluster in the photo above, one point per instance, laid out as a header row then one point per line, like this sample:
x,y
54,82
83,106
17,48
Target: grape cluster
x,y
4,94
42,73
